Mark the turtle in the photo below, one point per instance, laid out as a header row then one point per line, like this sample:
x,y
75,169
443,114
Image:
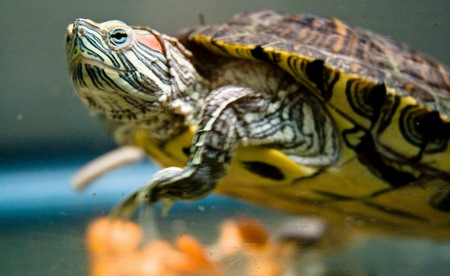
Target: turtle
x,y
297,112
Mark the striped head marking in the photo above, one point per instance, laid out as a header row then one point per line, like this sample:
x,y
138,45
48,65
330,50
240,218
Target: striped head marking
x,y
118,70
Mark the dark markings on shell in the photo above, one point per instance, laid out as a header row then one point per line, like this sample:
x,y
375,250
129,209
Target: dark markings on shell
x,y
390,211
186,151
387,111
376,98
346,134
292,62
369,156
258,53
330,85
433,129
218,46
365,101
315,72
424,129
395,212
441,201
264,170
334,196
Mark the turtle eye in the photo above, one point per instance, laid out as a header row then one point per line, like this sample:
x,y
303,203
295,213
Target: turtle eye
x,y
118,36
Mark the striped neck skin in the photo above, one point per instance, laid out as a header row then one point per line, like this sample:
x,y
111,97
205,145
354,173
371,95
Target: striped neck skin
x,y
131,74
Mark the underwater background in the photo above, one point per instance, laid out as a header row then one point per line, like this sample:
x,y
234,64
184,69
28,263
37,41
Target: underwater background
x,y
46,133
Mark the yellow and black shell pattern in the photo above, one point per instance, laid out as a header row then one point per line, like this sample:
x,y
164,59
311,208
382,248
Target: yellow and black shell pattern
x,y
390,105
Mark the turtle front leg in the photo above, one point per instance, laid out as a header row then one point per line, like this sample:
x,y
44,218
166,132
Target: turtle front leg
x,y
211,151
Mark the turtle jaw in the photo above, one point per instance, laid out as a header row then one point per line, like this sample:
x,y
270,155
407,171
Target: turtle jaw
x,y
104,90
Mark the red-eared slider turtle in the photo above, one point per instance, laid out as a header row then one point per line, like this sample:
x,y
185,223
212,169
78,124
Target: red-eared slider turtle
x,y
297,112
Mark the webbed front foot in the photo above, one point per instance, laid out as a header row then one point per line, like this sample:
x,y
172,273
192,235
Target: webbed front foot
x,y
168,185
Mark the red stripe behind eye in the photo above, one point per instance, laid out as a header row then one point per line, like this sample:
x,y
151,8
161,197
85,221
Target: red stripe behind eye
x,y
150,41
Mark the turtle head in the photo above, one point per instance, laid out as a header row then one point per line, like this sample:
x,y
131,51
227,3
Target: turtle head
x,y
124,72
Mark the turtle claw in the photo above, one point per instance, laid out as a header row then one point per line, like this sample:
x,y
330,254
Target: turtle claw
x,y
151,193
126,207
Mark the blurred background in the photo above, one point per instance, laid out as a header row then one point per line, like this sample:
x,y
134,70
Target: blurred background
x,y
46,133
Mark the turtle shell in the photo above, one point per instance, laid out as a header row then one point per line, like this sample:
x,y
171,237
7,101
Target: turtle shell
x,y
380,85
298,42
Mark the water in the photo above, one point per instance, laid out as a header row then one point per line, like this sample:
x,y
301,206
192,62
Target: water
x,y
46,133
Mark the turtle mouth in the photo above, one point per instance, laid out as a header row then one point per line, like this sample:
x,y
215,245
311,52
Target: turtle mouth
x,y
81,60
